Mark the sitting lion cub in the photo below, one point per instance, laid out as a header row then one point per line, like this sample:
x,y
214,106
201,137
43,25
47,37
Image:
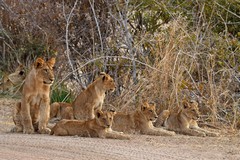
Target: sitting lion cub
x,y
100,126
183,120
92,98
139,121
32,113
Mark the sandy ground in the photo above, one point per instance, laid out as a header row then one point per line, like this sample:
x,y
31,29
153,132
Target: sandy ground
x,y
15,146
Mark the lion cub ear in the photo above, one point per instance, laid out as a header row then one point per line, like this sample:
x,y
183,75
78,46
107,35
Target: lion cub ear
x,y
98,113
185,104
51,62
152,104
112,111
144,106
103,74
38,63
104,78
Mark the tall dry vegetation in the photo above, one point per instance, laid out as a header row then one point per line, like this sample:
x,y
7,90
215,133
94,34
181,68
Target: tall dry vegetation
x,y
163,51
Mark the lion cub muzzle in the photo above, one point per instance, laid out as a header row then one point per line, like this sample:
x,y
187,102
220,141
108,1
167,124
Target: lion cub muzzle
x,y
154,119
49,81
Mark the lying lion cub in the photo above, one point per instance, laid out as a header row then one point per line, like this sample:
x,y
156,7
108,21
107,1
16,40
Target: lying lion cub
x,y
92,98
183,120
100,127
139,121
61,110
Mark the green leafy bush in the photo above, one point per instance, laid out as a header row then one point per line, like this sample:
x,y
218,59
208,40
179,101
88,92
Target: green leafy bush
x,y
60,93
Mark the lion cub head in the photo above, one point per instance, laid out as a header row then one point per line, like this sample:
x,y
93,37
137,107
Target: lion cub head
x,y
105,118
108,82
44,70
13,79
149,111
18,76
190,109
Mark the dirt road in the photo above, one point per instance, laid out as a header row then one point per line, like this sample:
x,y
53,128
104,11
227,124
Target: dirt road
x,y
45,147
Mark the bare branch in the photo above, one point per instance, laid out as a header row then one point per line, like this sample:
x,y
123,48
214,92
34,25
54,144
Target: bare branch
x,y
68,21
98,28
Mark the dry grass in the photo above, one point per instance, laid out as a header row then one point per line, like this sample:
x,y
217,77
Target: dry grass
x,y
183,68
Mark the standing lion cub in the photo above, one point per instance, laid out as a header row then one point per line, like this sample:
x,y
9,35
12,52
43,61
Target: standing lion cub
x,y
183,120
140,121
92,98
32,113
100,126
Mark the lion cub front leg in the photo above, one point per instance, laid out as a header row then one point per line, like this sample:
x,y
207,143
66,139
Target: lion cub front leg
x,y
26,117
192,132
44,117
17,118
195,126
157,131
114,135
208,133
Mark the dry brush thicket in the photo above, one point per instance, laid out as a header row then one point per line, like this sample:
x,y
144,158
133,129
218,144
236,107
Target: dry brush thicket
x,y
162,51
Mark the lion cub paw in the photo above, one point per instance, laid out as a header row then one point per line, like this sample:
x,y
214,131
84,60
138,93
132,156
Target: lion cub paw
x,y
126,138
171,133
16,129
45,131
201,134
28,130
123,137
213,134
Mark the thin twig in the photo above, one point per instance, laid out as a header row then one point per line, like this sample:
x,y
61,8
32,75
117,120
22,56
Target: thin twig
x,y
98,28
68,19
227,10
102,57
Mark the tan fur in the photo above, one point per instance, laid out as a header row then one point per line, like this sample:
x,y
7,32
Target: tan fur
x,y
100,126
183,120
139,121
92,98
14,79
61,110
33,112
17,118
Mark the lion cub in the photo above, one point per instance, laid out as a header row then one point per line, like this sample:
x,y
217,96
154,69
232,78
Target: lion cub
x,y
61,110
100,127
139,121
92,98
32,113
9,82
183,120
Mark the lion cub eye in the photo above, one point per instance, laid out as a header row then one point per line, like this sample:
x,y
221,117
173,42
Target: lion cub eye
x,y
150,111
45,70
